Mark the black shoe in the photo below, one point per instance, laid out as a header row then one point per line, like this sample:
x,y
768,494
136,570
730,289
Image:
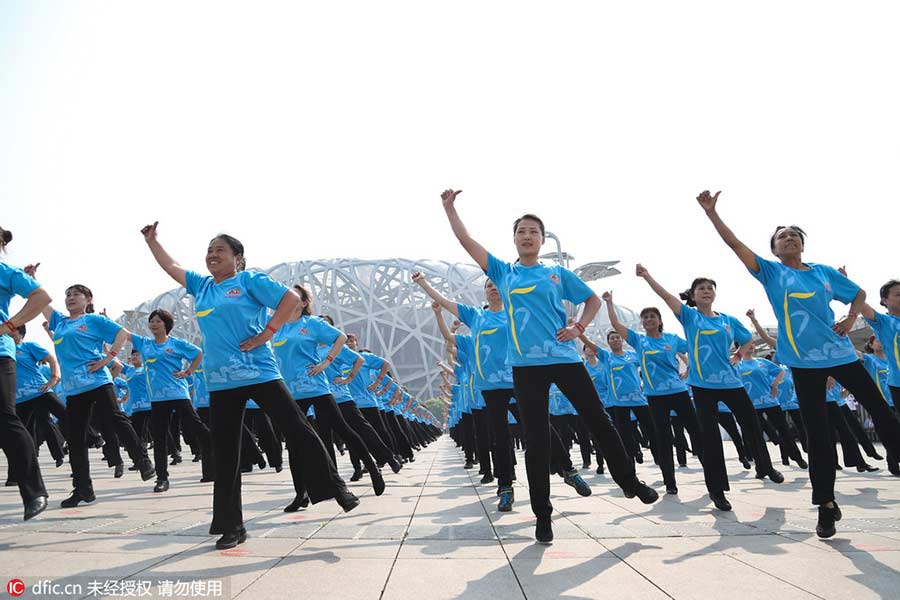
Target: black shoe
x,y
488,478
394,465
876,456
232,539
147,471
802,464
357,475
469,465
162,485
506,499
720,501
119,470
279,468
59,462
207,479
867,468
346,499
895,472
746,464
35,507
78,497
838,467
261,463
786,462
133,468
246,468
196,458
543,531
827,518
573,479
672,490
297,503
682,465
639,458
176,458
586,465
11,483
644,492
773,475
377,481
600,470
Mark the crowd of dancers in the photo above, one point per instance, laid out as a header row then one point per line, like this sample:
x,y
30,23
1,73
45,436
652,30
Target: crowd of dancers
x,y
517,371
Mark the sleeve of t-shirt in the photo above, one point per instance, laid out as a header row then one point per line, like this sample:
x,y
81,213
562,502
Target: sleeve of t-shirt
x,y
464,345
264,289
189,350
766,270
106,327
373,361
867,361
138,341
844,289
37,352
55,319
686,316
128,371
346,356
497,269
771,368
602,354
680,344
574,289
18,281
741,334
467,314
633,339
192,282
322,331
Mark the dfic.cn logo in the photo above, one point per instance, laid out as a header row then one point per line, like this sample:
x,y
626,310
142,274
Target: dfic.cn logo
x,y
15,587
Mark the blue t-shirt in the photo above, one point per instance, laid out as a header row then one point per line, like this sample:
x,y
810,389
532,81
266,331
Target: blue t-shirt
x,y
659,362
79,342
710,340
887,330
228,313
367,374
29,378
13,282
297,348
624,380
600,376
723,408
341,366
138,395
533,300
802,303
491,333
758,375
161,362
834,396
787,395
200,398
879,371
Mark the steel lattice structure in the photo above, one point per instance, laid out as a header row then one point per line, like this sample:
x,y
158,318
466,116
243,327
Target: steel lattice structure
x,y
376,300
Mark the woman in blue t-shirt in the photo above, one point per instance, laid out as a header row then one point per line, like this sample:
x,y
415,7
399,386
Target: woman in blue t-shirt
x,y
713,379
231,308
664,387
79,340
813,345
17,444
876,363
541,351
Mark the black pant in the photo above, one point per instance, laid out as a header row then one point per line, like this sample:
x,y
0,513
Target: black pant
x,y
403,443
858,432
482,423
797,420
785,438
17,444
320,476
373,417
840,431
532,389
358,423
79,408
660,407
35,415
330,419
622,419
259,423
810,386
467,423
160,414
706,401
140,421
726,420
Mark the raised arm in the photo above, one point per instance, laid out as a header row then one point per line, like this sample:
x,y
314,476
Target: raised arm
x,y
446,304
708,203
763,334
614,316
442,325
37,302
168,264
673,302
475,250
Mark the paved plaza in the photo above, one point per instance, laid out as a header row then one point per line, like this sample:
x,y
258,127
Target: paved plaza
x,y
435,533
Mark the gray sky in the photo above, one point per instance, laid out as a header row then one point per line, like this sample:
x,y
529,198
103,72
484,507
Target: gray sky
x,y
320,130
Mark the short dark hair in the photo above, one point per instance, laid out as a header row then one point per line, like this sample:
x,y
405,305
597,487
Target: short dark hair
x,y
655,311
885,290
796,228
529,217
164,316
236,246
610,333
688,294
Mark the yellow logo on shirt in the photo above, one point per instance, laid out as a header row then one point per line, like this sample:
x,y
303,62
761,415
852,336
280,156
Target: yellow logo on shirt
x,y
512,319
203,313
